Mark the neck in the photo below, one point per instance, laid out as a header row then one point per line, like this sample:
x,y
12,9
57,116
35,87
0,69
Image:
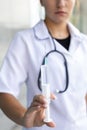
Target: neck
x,y
59,30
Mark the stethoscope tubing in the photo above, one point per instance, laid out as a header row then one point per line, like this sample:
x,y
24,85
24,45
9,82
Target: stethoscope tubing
x,y
65,64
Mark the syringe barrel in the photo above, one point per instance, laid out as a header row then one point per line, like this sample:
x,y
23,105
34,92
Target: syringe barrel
x,y
46,93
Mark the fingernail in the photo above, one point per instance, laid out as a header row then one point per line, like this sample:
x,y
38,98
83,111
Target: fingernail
x,y
55,97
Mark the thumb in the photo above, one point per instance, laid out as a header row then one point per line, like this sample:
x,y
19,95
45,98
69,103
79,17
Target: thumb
x,y
52,96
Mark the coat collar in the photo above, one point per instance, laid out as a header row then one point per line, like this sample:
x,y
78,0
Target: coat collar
x,y
41,31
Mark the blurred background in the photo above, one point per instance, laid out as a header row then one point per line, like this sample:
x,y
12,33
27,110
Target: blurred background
x,y
16,15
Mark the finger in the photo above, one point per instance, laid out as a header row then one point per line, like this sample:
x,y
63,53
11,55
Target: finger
x,y
52,96
50,124
35,103
33,109
40,98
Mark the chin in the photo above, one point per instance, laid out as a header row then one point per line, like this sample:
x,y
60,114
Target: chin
x,y
61,20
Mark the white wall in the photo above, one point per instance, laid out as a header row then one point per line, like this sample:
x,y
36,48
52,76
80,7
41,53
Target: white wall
x,y
19,13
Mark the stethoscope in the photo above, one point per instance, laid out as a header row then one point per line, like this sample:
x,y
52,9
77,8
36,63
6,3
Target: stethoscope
x,y
65,65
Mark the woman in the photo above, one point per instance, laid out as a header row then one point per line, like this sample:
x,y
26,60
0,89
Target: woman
x,y
67,72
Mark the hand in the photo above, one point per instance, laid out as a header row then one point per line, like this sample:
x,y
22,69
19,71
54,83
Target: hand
x,y
35,114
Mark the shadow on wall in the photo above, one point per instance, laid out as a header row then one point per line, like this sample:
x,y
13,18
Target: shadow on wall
x,y
6,34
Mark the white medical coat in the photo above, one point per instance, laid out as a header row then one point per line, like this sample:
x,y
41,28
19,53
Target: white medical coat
x,y
22,64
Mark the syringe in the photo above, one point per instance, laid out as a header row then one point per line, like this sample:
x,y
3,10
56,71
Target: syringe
x,y
45,90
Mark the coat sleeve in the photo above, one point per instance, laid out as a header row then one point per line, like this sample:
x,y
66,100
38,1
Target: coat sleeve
x,y
13,71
